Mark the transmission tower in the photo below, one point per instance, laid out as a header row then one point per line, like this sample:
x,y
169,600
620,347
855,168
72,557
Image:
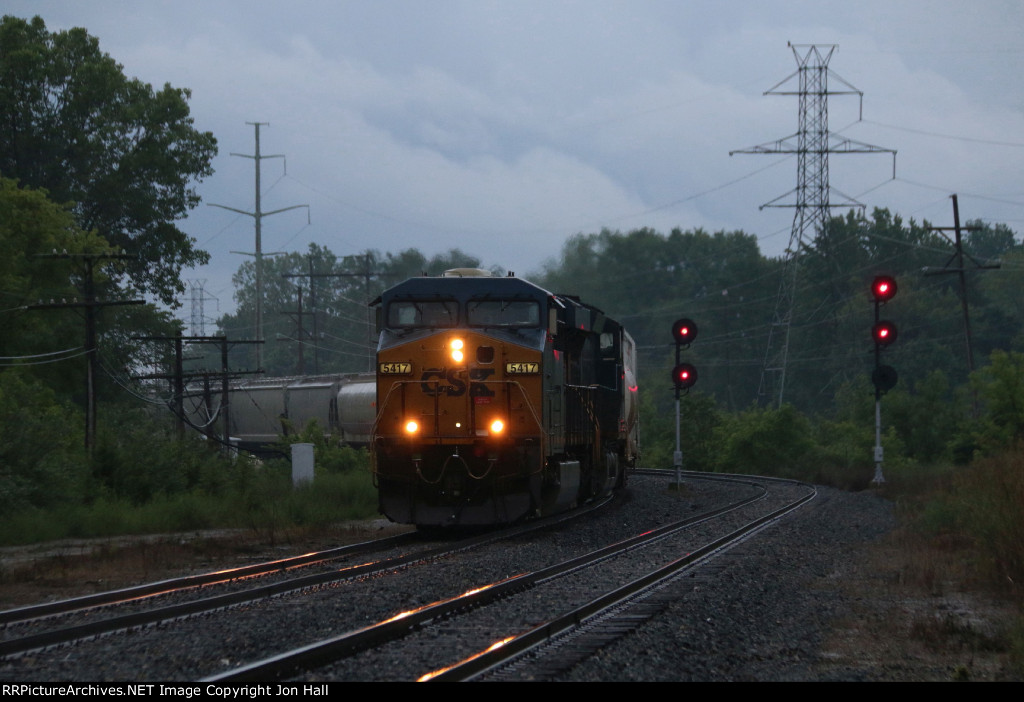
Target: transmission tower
x,y
199,297
812,144
258,216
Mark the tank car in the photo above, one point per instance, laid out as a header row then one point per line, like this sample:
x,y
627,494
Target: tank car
x,y
261,411
497,400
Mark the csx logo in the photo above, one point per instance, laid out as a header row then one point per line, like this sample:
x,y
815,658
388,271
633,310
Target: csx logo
x,y
439,381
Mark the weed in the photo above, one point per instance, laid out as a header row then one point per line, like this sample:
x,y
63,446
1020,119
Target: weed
x,y
956,633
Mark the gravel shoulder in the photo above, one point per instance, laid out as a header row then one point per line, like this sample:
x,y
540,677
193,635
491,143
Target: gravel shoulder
x,y
821,596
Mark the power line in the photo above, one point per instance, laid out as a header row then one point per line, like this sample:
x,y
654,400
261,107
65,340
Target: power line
x,y
89,304
954,137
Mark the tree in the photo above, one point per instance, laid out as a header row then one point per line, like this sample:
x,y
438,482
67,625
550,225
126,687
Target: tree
x,y
31,225
646,280
123,154
44,344
1000,386
989,241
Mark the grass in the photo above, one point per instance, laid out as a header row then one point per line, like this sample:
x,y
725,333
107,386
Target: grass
x,y
963,532
977,508
950,633
267,505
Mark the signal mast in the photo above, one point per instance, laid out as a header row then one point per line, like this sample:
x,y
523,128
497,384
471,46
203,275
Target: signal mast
x,y
883,332
684,376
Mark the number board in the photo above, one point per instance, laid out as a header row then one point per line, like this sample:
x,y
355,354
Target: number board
x,y
396,368
522,367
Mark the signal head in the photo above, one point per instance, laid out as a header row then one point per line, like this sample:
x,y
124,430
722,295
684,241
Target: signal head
x,y
883,288
684,376
884,378
884,333
684,331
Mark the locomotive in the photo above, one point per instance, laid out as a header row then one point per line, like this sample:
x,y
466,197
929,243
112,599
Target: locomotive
x,y
497,400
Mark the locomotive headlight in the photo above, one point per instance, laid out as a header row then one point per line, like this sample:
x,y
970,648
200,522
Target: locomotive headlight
x,y
456,347
497,426
411,427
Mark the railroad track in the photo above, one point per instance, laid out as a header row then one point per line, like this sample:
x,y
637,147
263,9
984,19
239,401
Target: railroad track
x,y
555,646
361,646
188,582
603,617
127,608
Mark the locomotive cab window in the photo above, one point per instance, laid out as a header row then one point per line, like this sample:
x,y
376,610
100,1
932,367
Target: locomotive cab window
x,y
503,313
412,314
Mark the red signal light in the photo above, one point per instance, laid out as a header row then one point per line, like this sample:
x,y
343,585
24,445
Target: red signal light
x,y
684,376
884,333
883,288
684,331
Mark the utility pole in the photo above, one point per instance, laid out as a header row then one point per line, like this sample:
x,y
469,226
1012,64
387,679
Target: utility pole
x,y
89,306
258,216
301,335
958,268
312,304
178,378
366,274
812,144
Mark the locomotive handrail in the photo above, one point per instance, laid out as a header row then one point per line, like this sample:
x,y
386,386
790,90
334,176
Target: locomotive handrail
x,y
376,422
588,406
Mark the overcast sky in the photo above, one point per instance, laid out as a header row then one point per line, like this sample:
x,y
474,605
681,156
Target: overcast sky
x,y
504,127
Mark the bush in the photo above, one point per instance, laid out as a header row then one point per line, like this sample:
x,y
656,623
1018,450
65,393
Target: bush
x,y
767,442
989,495
1000,388
143,479
330,455
138,457
42,455
698,417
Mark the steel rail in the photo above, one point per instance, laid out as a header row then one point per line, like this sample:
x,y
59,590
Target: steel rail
x,y
161,587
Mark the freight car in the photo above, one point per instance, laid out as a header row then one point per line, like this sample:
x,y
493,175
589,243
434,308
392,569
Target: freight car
x,y
497,400
261,411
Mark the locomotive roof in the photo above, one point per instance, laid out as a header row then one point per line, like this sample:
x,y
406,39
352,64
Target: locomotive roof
x,y
470,287
463,288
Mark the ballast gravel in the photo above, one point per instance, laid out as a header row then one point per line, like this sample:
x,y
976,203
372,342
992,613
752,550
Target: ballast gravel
x,y
762,611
